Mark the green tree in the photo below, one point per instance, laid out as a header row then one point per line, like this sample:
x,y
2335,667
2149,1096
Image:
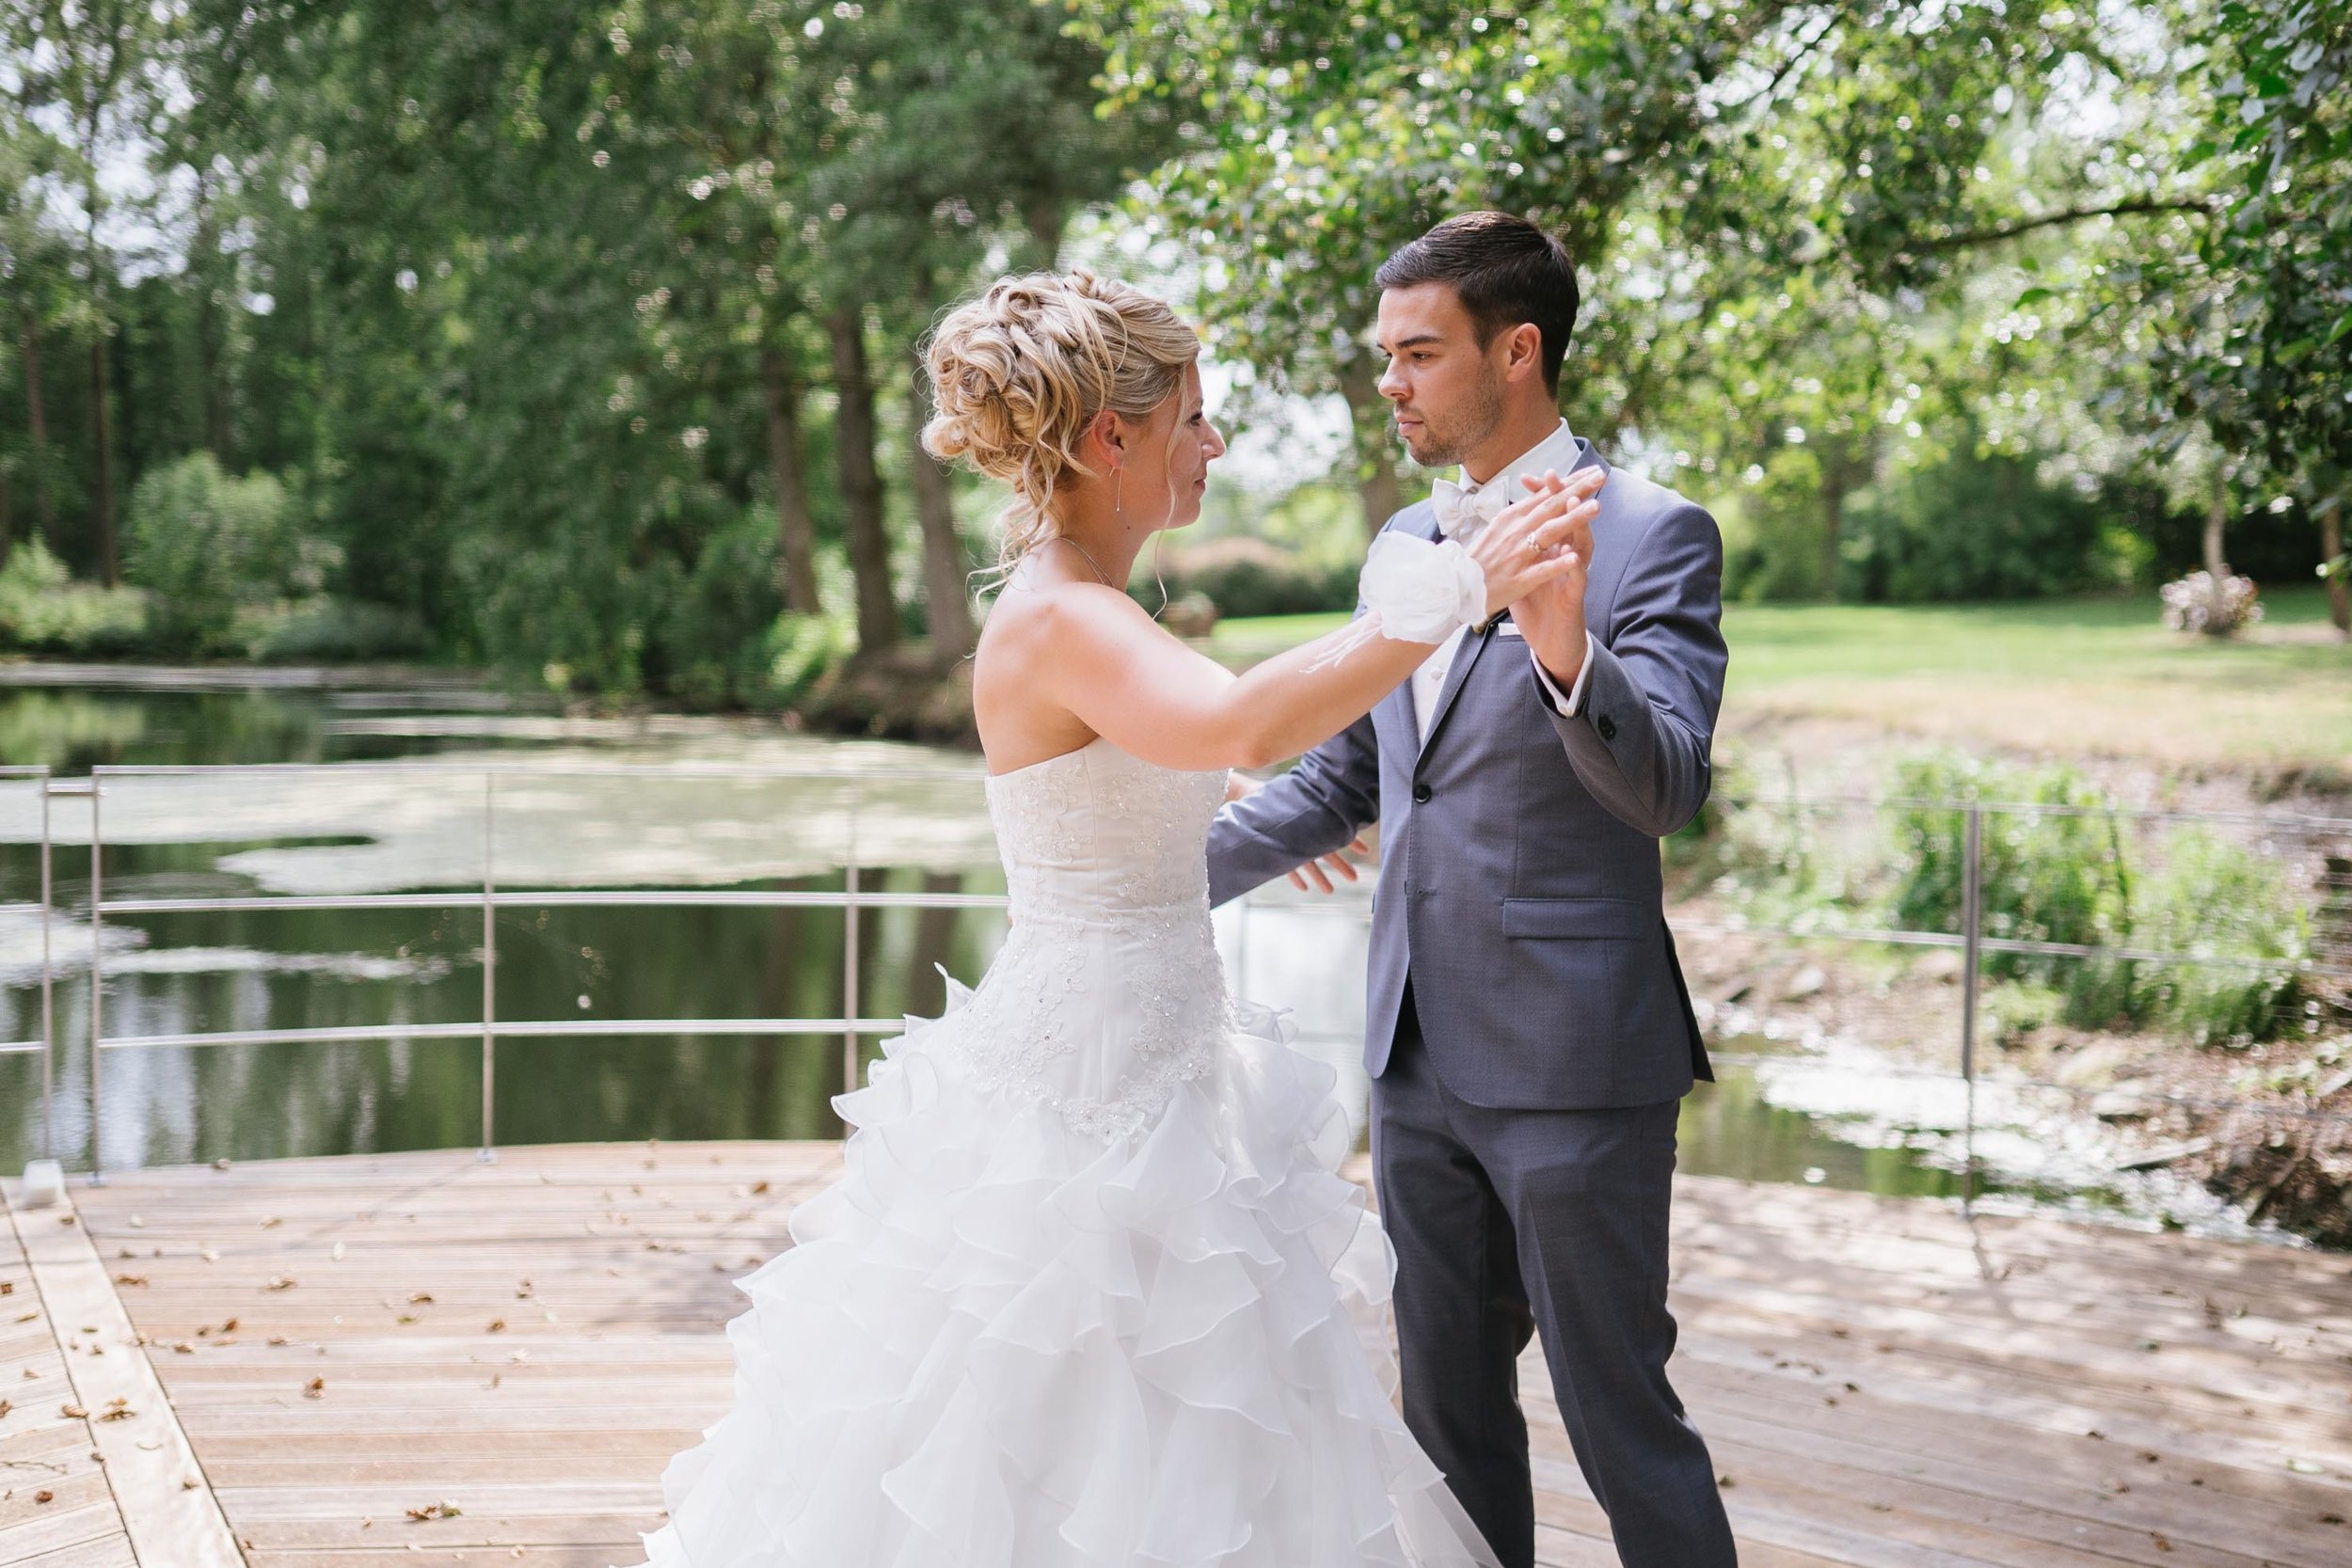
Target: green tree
x,y
89,60
2262,351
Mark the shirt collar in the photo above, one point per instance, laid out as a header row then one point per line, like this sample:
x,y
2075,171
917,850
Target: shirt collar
x,y
1556,450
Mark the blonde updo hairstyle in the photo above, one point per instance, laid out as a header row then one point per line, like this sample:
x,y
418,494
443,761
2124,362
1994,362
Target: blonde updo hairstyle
x,y
1019,373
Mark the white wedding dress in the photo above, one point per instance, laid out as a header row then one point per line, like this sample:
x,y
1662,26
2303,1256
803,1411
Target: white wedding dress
x,y
1088,1293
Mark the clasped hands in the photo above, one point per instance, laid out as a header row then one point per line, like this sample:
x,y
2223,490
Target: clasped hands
x,y
1553,519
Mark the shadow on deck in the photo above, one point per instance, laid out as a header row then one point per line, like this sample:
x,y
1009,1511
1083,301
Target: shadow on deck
x,y
373,1356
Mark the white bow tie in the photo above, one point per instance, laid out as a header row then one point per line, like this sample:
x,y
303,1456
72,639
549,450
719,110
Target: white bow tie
x,y
1462,513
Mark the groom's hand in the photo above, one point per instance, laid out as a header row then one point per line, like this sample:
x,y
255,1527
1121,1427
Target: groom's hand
x,y
1318,873
1314,873
1552,613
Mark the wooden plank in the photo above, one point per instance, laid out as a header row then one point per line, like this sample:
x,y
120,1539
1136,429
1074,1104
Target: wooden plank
x,y
167,1512
1981,1355
66,1525
111,1551
42,1449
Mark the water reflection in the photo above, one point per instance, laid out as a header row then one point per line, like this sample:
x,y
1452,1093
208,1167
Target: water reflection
x,y
186,973
575,822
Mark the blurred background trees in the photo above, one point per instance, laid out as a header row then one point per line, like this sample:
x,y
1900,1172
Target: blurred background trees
x,y
578,341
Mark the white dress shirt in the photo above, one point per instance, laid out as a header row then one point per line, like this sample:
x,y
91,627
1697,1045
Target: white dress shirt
x,y
1556,451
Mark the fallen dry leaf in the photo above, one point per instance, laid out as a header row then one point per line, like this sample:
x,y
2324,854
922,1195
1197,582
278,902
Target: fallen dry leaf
x,y
117,1410
436,1511
315,1388
130,1279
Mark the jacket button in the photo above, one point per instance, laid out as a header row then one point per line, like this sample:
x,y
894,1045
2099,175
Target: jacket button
x,y
1608,727
1421,795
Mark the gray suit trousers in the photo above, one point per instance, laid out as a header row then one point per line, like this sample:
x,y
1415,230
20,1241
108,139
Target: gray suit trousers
x,y
1519,1222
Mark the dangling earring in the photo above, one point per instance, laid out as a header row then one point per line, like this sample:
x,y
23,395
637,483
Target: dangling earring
x,y
1117,474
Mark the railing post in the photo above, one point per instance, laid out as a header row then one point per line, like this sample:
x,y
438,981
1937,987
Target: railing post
x,y
850,1002
1972,932
48,985
97,985
489,1152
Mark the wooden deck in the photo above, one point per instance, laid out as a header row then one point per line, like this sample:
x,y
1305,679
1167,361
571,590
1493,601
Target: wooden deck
x,y
417,1358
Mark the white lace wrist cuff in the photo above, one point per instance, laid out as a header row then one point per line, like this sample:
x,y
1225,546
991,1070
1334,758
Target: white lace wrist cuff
x,y
1414,591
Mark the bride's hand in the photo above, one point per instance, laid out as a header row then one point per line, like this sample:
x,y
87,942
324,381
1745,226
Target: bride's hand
x,y
1520,550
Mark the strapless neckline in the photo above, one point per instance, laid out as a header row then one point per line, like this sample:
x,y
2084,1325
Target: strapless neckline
x,y
1048,762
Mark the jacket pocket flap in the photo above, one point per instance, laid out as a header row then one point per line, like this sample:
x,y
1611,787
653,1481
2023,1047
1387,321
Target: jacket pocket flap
x,y
1578,917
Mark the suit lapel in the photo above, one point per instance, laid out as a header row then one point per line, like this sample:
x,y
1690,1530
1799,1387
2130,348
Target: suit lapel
x,y
1422,523
1474,643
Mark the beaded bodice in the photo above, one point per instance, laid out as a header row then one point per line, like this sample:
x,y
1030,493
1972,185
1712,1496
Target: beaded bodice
x,y
1108,991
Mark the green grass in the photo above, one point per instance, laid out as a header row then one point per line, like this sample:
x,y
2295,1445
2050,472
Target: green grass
x,y
2069,676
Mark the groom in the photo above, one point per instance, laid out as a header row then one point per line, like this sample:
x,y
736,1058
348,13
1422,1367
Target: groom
x,y
1528,1031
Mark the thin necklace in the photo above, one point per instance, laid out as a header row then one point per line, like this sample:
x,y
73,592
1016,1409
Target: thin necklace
x,y
1100,576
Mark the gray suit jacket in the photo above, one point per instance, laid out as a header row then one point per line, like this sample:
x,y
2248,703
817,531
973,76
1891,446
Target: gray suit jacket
x,y
1520,879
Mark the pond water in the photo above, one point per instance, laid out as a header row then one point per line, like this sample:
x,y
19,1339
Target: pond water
x,y
705,809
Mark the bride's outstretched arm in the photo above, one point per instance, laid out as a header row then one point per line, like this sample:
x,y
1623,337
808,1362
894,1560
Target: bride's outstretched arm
x,y
1127,679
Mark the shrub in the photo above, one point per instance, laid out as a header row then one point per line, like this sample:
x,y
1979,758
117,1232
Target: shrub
x,y
2212,898
2189,605
710,622
2063,877
334,631
2059,876
1245,577
207,546
800,648
1775,532
43,609
1982,526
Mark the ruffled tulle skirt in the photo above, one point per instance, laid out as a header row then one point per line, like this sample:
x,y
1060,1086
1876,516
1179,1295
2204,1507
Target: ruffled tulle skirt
x,y
1003,1344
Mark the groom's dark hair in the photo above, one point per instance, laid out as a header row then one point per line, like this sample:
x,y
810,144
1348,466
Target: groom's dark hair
x,y
1505,271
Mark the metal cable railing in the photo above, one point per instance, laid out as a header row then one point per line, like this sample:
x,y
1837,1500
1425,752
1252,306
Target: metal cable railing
x,y
1970,940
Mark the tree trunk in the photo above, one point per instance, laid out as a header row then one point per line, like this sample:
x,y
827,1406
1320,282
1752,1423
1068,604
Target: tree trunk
x,y
861,482
945,585
8,519
2331,545
1372,450
1833,524
2217,566
109,561
203,256
1044,221
36,415
796,525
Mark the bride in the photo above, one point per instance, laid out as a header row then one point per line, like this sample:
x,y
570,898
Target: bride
x,y
1088,1293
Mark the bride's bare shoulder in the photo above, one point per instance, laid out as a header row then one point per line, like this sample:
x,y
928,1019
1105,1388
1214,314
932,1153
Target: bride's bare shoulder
x,y
1055,618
